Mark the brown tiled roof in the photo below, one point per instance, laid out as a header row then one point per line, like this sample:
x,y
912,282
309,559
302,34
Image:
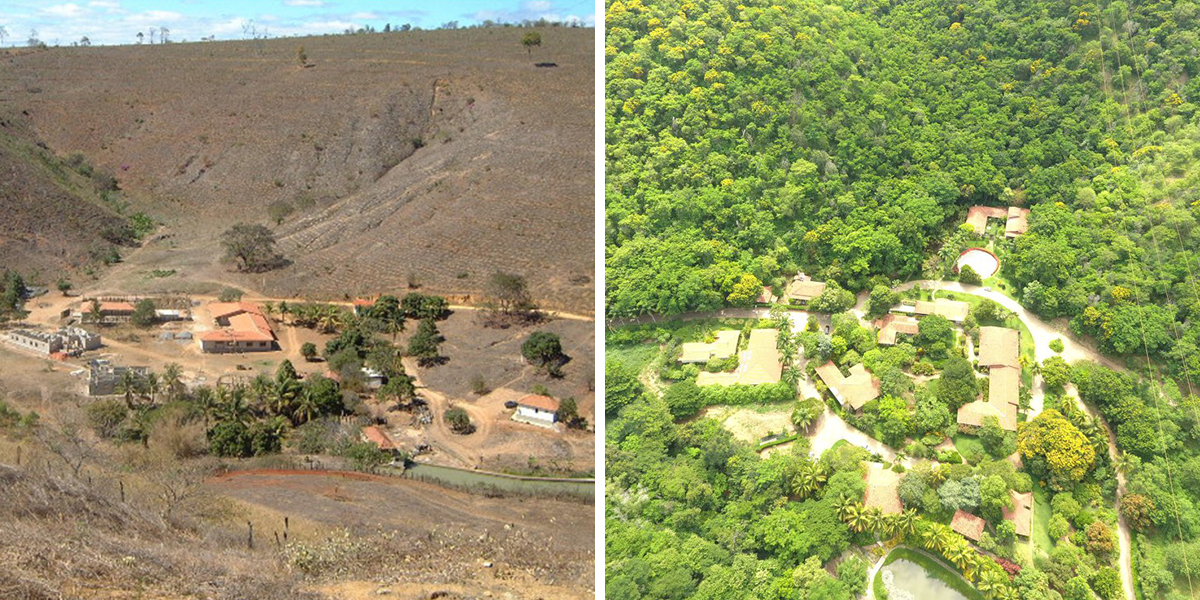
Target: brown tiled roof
x,y
220,310
882,489
363,302
977,216
1021,513
766,296
968,525
1018,222
378,437
116,307
856,390
805,290
999,346
760,363
724,346
955,310
973,413
891,324
1004,387
545,403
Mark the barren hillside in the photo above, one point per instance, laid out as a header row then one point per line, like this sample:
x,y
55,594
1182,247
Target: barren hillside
x,y
432,158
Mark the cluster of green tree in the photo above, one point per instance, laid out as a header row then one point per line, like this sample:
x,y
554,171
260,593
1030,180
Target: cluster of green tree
x,y
12,295
846,140
238,420
694,514
1157,429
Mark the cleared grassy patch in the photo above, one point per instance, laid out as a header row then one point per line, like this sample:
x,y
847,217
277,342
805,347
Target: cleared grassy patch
x,y
966,444
1040,530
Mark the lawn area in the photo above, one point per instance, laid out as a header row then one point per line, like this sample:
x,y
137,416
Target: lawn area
x,y
934,568
635,356
1040,532
965,443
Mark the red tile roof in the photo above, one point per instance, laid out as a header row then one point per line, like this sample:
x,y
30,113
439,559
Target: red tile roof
x,y
545,403
116,307
378,437
968,525
222,310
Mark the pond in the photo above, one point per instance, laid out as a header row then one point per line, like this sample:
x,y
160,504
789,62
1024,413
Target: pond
x,y
907,580
484,482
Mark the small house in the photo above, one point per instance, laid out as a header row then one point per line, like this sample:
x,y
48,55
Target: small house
x,y
537,409
1021,514
852,392
376,435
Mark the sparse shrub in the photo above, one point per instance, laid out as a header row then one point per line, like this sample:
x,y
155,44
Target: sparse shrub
x,y
106,416
309,351
568,414
1056,345
280,210
230,295
479,385
302,56
459,421
969,276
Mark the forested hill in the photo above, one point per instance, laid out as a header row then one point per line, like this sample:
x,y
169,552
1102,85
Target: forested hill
x,y
748,140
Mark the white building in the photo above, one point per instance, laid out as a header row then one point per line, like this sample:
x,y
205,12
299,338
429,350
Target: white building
x,y
37,341
71,340
537,409
104,377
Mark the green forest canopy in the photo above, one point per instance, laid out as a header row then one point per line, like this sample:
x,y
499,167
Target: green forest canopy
x,y
846,139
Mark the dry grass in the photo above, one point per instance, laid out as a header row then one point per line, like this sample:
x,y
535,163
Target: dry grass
x,y
430,158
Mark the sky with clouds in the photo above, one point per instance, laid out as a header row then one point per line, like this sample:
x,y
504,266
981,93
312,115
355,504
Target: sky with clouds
x,y
119,21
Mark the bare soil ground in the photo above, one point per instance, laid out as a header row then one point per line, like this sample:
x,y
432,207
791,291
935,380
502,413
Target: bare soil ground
x,y
437,537
433,157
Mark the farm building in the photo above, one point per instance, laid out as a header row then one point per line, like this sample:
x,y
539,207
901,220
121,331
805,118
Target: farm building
x,y
68,340
1021,514
246,329
802,289
112,311
376,435
891,325
759,363
883,486
972,414
537,409
851,392
967,524
37,341
724,346
104,377
1015,219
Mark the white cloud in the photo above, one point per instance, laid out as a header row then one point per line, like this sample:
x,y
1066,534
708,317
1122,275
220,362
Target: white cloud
x,y
303,3
109,4
537,6
66,11
364,16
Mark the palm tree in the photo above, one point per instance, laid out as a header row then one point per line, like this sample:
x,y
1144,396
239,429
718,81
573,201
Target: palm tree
x,y
206,402
153,386
172,379
307,408
284,395
856,517
991,581
874,518
1007,592
843,505
889,525
262,391
907,522
939,474
808,481
231,404
268,308
129,386
284,310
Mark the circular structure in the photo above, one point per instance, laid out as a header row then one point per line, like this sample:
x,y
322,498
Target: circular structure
x,y
980,259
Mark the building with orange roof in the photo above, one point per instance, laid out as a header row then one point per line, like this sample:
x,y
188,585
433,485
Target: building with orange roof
x,y
883,489
891,325
1021,514
379,437
967,524
851,391
244,329
537,409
